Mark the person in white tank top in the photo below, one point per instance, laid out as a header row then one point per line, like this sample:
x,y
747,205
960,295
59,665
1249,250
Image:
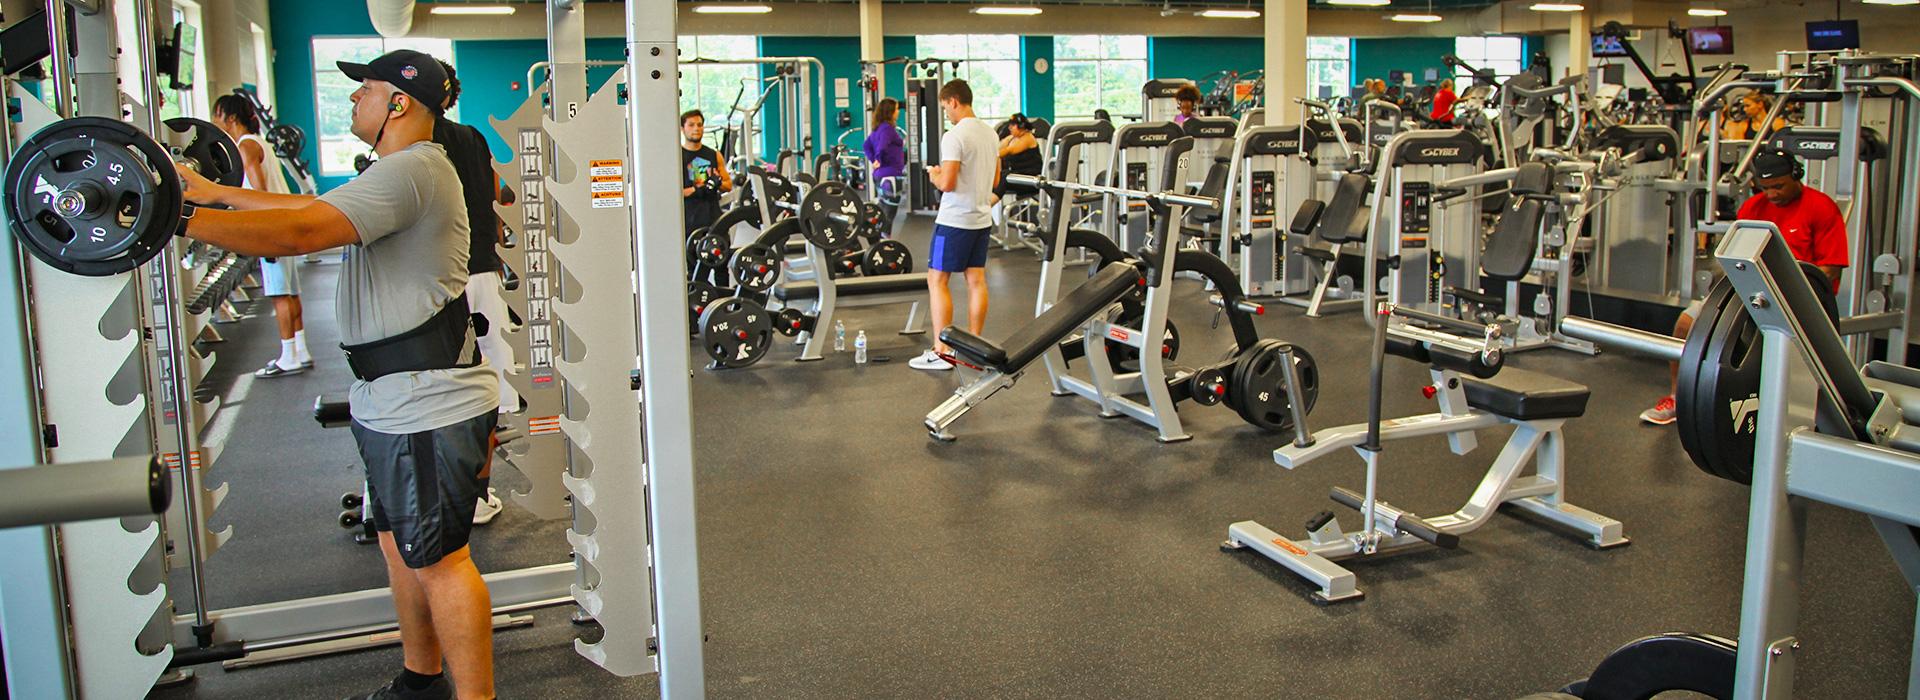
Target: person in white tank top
x,y
279,277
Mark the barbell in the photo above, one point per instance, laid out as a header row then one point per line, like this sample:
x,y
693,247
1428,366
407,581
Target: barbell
x,y
1185,200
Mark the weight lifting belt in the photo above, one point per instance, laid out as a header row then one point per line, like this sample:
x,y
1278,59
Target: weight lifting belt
x,y
435,344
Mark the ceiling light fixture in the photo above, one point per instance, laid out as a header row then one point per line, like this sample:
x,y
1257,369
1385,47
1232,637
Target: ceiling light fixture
x,y
472,10
1706,12
1890,2
1414,18
732,9
1230,14
1359,3
1004,10
1557,7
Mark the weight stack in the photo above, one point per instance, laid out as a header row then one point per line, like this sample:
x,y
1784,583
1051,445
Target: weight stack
x,y
541,455
592,242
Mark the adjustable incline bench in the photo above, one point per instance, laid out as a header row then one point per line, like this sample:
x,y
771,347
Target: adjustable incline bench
x,y
1003,363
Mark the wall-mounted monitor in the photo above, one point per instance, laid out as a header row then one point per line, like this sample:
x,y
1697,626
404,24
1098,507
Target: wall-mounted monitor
x,y
1833,35
1605,46
1710,40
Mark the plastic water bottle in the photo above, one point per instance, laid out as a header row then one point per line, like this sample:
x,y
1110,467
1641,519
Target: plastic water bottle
x,y
839,336
860,348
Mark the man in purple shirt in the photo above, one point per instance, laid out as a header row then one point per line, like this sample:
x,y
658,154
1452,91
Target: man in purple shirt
x,y
885,148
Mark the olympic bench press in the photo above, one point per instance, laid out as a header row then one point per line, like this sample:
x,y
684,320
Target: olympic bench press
x,y
1262,396
1474,393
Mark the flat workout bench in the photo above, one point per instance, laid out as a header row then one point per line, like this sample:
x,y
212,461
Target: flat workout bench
x,y
1004,363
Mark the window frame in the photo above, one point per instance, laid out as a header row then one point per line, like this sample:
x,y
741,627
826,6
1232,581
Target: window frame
x,y
693,79
1342,86
968,62
1478,56
1102,63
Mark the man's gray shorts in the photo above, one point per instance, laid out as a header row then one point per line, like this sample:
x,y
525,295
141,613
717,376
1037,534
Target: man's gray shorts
x,y
423,487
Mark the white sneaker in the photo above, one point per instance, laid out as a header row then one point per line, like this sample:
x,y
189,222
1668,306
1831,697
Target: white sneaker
x,y
930,362
488,508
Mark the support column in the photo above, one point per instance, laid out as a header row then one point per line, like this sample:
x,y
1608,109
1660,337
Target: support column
x,y
1579,43
873,39
1286,57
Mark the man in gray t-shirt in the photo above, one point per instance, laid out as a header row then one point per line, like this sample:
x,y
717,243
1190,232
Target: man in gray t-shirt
x,y
424,402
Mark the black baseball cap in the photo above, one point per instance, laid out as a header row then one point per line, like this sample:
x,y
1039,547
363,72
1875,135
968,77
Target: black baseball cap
x,y
1772,163
417,74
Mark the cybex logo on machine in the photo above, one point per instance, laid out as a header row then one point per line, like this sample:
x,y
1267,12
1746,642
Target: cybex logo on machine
x,y
1152,137
1439,152
1812,147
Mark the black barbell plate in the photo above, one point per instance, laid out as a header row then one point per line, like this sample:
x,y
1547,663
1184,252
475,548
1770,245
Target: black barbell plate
x,y
205,149
736,332
755,267
1716,392
127,178
887,257
1237,384
818,212
1266,402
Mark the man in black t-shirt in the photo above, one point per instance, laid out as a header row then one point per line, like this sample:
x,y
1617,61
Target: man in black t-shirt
x,y
703,177
480,186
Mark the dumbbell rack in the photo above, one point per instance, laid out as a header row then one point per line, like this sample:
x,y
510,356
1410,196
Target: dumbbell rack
x,y
610,542
541,455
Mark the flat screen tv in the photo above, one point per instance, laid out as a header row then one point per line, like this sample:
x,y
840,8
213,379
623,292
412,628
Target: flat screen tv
x,y
1609,46
1710,40
1833,35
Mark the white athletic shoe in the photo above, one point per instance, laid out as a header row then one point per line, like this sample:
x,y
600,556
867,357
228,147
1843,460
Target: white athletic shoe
x,y
488,508
930,362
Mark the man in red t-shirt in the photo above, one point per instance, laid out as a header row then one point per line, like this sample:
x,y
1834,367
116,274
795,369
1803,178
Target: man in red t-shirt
x,y
1807,218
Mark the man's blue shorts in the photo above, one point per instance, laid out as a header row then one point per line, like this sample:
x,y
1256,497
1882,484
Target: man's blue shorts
x,y
956,249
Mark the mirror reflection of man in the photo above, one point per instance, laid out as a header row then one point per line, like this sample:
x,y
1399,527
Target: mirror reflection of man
x,y
703,176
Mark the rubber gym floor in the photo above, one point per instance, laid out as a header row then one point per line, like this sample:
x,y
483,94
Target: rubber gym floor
x,y
1051,553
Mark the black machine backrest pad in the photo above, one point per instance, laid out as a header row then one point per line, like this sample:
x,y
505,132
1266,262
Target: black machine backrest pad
x,y
1509,252
855,286
1523,395
1346,210
1045,331
1533,178
1215,186
1307,217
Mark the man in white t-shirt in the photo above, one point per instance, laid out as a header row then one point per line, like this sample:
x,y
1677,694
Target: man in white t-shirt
x,y
969,166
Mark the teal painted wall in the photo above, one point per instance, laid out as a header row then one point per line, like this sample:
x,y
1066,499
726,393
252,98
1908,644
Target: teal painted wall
x,y
295,24
1194,58
1036,89
1374,58
488,70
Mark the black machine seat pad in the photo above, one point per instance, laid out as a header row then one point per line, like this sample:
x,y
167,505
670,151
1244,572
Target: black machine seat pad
x,y
1523,395
855,286
1045,331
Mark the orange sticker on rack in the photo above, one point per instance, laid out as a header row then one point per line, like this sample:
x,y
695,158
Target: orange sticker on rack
x,y
1288,545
